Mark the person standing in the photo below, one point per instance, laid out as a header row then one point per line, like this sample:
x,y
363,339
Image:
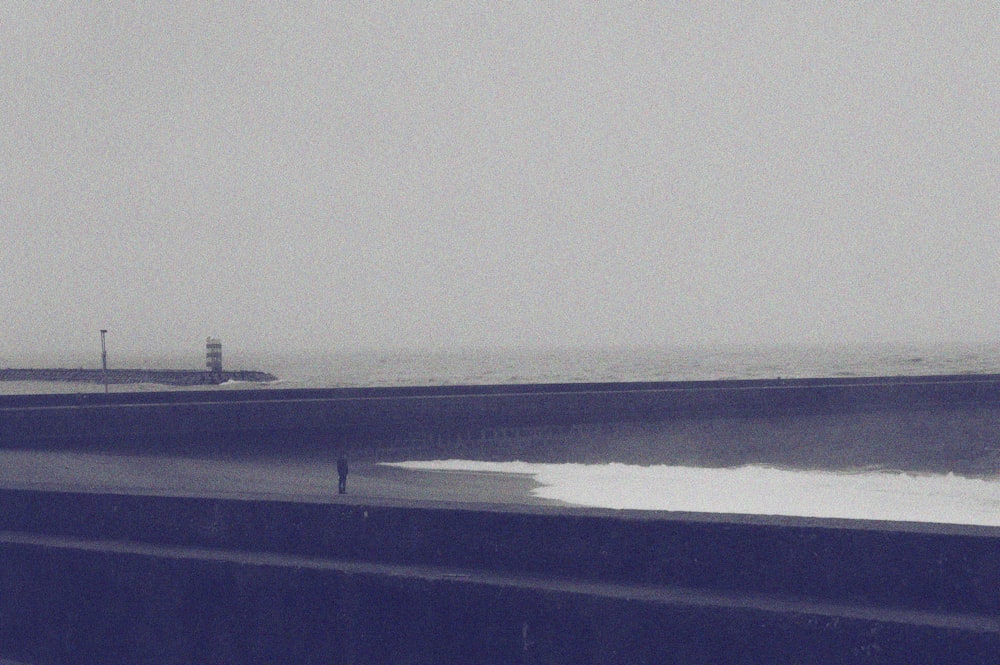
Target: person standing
x,y
342,474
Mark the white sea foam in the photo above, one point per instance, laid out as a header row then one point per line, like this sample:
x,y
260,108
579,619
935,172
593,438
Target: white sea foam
x,y
756,490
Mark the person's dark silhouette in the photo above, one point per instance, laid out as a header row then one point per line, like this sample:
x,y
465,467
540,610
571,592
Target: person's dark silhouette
x,y
342,474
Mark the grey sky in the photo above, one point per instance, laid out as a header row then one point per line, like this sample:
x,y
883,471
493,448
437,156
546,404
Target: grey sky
x,y
413,175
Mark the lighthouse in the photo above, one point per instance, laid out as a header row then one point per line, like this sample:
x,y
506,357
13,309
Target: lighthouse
x,y
213,359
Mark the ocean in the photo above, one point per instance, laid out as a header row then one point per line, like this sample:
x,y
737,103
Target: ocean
x,y
507,366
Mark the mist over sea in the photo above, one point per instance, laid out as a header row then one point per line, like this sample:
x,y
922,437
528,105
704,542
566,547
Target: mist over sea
x,y
501,366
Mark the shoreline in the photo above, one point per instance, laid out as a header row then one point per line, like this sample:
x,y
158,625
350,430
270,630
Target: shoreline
x,y
283,479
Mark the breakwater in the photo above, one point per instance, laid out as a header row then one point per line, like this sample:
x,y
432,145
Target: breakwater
x,y
169,377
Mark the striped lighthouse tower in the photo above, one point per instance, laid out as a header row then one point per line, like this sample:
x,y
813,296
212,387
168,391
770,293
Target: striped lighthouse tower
x,y
213,359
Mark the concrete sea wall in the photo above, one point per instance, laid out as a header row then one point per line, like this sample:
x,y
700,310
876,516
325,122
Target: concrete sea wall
x,y
926,567
113,579
936,424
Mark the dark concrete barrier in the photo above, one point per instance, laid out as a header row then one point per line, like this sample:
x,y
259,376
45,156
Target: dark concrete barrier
x,y
920,567
127,579
67,604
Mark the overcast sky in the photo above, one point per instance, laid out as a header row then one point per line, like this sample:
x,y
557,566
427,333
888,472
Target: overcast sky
x,y
497,175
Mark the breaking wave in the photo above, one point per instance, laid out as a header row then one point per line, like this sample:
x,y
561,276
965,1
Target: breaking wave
x,y
756,490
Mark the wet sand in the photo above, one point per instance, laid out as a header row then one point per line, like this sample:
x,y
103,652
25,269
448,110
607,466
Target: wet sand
x,y
292,480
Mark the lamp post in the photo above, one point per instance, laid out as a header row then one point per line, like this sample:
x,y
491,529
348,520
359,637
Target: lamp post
x,y
104,361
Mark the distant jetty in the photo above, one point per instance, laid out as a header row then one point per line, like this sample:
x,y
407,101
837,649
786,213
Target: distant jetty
x,y
170,377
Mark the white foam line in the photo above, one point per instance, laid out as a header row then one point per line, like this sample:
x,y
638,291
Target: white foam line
x,y
756,490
